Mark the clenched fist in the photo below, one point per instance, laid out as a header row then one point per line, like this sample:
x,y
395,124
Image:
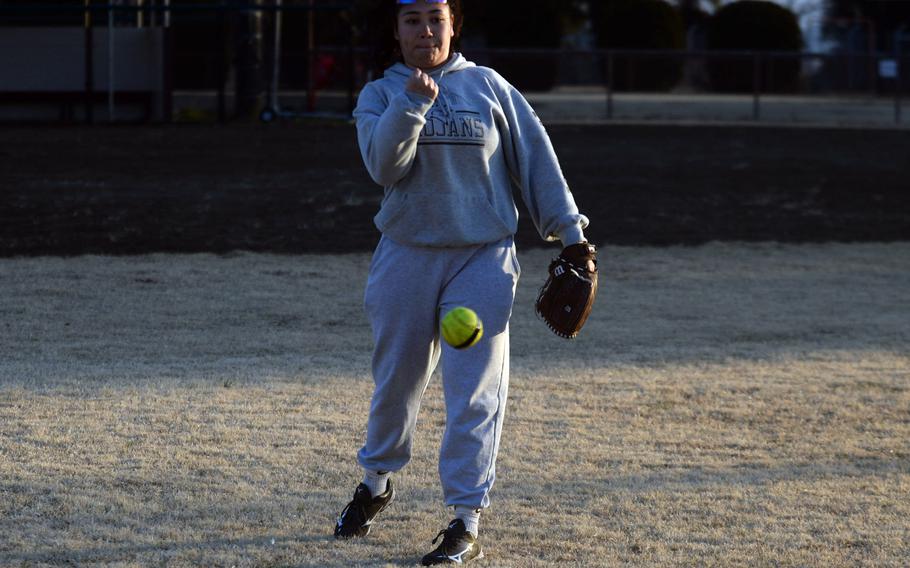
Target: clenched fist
x,y
422,84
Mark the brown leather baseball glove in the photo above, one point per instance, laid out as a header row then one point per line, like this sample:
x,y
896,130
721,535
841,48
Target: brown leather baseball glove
x,y
566,298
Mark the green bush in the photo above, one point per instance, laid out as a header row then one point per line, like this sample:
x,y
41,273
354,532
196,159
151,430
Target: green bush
x,y
641,24
755,25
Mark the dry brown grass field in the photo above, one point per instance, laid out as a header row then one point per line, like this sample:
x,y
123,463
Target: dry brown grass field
x,y
727,405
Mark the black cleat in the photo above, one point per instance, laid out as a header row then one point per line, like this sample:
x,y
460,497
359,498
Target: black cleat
x,y
357,518
458,546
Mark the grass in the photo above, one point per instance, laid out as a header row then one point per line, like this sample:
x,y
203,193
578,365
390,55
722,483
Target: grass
x,y
727,405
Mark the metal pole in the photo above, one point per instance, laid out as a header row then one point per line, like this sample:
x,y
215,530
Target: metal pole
x,y
850,56
311,59
221,39
110,60
276,58
609,84
756,80
140,13
167,68
898,40
89,64
897,91
351,71
250,87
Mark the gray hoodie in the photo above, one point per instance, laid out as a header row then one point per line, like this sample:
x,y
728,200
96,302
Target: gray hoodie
x,y
449,166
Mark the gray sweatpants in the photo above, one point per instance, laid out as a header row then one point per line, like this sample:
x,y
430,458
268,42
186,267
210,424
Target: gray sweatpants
x,y
408,290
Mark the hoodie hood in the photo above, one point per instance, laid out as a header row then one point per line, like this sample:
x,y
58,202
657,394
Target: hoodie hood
x,y
456,62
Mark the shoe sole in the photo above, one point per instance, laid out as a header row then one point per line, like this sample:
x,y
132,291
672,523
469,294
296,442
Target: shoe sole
x,y
478,557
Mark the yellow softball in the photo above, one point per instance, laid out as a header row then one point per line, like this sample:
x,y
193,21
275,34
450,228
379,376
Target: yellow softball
x,y
461,328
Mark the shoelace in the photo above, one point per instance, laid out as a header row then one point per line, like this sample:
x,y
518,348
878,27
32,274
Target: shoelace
x,y
343,517
447,539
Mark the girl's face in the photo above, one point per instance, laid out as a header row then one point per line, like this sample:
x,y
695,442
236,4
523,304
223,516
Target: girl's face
x,y
424,33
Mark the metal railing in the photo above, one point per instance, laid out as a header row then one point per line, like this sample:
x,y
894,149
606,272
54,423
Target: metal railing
x,y
863,88
161,14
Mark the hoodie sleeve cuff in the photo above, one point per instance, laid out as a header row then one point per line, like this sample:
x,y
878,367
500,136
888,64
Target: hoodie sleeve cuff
x,y
572,235
418,102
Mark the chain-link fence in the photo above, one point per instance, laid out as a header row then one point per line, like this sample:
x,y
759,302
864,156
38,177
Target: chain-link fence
x,y
214,61
835,88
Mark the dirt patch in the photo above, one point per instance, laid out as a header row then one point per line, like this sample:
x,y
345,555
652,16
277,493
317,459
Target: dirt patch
x,y
302,187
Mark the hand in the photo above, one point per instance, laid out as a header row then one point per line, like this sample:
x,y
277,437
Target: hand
x,y
422,84
580,254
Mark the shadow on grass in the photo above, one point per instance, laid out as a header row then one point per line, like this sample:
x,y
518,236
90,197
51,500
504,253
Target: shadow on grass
x,y
674,478
199,551
93,524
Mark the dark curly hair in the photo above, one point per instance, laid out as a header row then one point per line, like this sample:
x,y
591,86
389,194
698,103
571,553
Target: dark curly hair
x,y
381,32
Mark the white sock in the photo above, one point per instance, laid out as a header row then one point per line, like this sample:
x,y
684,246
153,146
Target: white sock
x,y
376,481
470,516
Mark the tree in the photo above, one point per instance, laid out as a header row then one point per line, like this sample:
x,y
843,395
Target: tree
x,y
530,24
641,25
880,19
754,25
